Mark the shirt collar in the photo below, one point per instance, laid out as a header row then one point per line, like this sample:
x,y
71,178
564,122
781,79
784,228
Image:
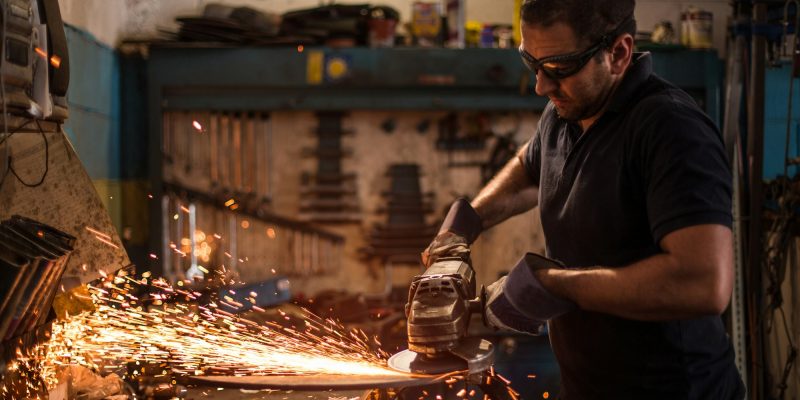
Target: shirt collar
x,y
640,70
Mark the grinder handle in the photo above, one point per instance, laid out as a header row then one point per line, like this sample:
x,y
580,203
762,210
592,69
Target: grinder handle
x,y
478,304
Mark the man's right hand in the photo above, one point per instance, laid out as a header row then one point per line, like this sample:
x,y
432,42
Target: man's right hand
x,y
446,244
460,228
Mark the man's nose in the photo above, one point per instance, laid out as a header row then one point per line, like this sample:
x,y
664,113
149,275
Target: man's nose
x,y
544,84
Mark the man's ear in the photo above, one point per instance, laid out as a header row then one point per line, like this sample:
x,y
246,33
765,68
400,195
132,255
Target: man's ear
x,y
621,54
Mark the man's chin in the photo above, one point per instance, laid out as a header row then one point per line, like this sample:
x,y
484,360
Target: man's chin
x,y
566,114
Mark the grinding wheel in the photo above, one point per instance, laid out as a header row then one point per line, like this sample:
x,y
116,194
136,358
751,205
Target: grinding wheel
x,y
473,355
312,382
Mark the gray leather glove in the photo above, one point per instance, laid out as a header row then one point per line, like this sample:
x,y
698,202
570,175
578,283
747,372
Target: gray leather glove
x,y
500,314
460,228
519,302
446,244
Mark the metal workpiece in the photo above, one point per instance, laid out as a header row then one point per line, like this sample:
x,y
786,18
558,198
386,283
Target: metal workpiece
x,y
313,382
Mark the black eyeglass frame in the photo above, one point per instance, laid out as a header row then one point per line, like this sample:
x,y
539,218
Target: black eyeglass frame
x,y
581,58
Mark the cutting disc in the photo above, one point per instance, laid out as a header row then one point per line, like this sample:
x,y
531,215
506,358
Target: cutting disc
x,y
472,355
312,382
411,362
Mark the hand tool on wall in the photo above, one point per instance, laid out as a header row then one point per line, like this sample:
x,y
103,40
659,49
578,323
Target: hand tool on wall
x,y
187,131
224,152
235,156
166,141
249,155
250,170
259,139
213,138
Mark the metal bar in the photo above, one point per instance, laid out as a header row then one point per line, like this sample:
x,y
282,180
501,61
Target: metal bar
x,y
224,152
235,156
192,240
233,239
250,169
738,326
177,270
755,149
186,128
268,154
213,134
166,251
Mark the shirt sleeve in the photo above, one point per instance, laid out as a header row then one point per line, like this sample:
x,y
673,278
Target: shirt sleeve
x,y
686,172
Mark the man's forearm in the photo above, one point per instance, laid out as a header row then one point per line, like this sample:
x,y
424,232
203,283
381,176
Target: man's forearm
x,y
509,193
670,285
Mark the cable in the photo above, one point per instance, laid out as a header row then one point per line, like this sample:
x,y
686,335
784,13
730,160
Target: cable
x,y
8,159
46,161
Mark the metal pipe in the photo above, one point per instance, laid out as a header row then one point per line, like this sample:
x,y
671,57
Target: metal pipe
x,y
755,157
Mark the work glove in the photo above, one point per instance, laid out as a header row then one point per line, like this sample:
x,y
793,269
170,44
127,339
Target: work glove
x,y
460,228
520,303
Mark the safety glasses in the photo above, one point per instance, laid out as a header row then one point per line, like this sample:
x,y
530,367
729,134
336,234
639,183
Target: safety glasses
x,y
565,65
560,66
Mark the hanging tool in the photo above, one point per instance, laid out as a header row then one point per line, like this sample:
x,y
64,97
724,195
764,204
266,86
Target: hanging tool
x,y
441,302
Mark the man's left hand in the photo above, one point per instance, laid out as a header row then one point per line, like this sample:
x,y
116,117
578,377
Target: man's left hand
x,y
524,292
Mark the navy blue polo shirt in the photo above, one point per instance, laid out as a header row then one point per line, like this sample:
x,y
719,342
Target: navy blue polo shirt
x,y
651,164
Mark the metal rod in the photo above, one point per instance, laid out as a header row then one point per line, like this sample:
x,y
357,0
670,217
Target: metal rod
x,y
755,149
193,241
166,251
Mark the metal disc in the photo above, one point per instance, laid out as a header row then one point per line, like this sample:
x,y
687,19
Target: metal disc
x,y
311,382
414,363
472,355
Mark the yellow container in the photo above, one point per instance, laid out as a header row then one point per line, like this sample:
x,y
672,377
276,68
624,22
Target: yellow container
x,y
516,24
697,29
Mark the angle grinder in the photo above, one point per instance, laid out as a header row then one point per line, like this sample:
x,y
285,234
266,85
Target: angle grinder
x,y
441,301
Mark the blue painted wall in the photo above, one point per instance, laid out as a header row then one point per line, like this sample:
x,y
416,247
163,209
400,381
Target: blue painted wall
x,y
94,104
775,113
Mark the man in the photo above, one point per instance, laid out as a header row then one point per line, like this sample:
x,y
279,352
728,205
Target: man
x,y
635,196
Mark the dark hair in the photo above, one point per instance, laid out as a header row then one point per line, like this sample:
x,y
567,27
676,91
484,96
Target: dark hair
x,y
589,19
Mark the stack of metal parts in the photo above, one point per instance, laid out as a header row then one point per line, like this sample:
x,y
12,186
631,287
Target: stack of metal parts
x,y
406,233
33,257
222,23
330,193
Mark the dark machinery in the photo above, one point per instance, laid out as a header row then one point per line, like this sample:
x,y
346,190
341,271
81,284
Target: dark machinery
x,y
441,302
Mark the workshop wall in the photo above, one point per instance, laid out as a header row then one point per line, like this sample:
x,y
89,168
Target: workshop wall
x,y
112,20
93,126
374,150
374,142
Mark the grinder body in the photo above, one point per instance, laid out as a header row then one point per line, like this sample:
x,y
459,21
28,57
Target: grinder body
x,y
441,301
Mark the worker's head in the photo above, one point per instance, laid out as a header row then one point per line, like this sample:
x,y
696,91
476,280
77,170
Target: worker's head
x,y
580,49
